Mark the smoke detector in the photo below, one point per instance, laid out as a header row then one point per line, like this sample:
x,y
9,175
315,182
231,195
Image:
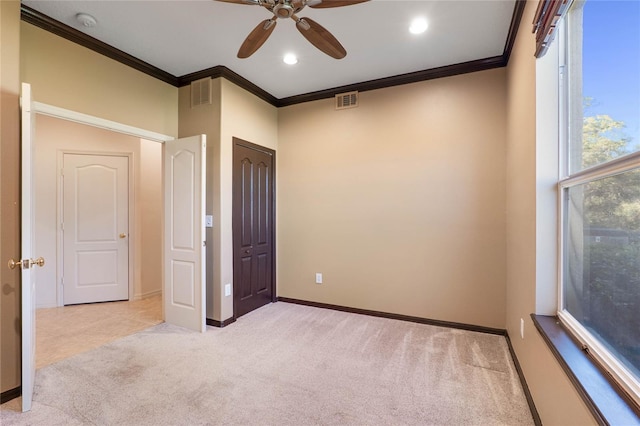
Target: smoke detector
x,y
86,20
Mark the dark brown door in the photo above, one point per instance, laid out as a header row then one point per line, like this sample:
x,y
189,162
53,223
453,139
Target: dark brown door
x,y
253,226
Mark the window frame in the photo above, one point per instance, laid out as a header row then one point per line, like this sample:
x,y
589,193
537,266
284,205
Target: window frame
x,y
588,342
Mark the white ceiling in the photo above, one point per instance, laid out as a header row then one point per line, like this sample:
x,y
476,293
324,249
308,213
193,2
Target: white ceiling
x,y
181,37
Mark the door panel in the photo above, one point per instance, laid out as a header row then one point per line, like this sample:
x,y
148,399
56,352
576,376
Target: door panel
x,y
184,232
253,233
263,270
95,228
262,232
245,276
183,272
246,206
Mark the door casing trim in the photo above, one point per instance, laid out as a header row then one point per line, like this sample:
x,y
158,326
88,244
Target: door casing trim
x,y
78,117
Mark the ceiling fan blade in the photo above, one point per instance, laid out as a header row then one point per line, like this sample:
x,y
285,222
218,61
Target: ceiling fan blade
x,y
321,38
256,38
323,4
248,2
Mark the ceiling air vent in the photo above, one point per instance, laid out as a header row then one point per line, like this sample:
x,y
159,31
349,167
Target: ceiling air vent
x,y
347,100
201,92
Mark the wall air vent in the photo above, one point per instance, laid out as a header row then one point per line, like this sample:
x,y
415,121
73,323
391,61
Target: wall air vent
x,y
201,92
347,100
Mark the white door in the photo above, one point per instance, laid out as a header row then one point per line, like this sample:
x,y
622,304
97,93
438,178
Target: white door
x,y
184,232
95,227
27,263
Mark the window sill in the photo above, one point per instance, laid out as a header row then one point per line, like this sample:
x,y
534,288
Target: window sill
x,y
604,398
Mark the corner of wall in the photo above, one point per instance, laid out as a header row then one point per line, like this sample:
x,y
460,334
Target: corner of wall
x,y
531,231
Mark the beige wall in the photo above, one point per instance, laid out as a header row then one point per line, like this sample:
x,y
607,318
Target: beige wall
x,y
70,76
528,228
55,136
149,202
400,202
234,112
205,119
9,194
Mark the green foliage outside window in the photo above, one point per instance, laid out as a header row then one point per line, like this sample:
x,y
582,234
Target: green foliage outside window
x,y
611,262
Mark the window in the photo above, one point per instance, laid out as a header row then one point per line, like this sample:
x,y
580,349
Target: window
x,y
600,193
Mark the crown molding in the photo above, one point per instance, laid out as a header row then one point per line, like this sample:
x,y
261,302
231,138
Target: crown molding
x,y
398,80
516,18
49,24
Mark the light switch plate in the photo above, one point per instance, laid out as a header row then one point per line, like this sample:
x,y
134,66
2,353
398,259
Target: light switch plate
x,y
208,221
227,289
318,278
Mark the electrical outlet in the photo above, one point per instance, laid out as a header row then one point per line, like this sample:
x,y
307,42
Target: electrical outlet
x,y
318,277
227,289
521,328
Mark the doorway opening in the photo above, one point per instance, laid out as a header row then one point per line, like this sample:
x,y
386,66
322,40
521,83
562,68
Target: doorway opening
x,y
98,204
185,298
184,301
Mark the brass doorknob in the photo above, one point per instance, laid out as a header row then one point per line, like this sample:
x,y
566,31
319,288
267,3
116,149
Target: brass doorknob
x,y
123,235
25,264
13,263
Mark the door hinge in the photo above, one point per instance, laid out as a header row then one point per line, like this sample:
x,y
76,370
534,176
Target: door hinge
x,y
62,226
62,281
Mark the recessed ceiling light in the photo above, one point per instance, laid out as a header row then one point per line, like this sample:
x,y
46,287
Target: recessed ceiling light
x,y
86,20
290,59
418,26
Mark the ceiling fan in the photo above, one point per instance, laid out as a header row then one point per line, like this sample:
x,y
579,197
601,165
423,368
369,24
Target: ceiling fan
x,y
315,33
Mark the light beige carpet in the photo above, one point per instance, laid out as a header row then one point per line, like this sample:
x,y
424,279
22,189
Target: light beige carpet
x,y
284,364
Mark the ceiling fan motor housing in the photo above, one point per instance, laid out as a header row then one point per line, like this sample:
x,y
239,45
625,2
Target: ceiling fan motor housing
x,y
283,10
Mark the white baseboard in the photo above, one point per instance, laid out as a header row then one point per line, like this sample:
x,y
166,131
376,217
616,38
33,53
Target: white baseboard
x,y
147,295
47,305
